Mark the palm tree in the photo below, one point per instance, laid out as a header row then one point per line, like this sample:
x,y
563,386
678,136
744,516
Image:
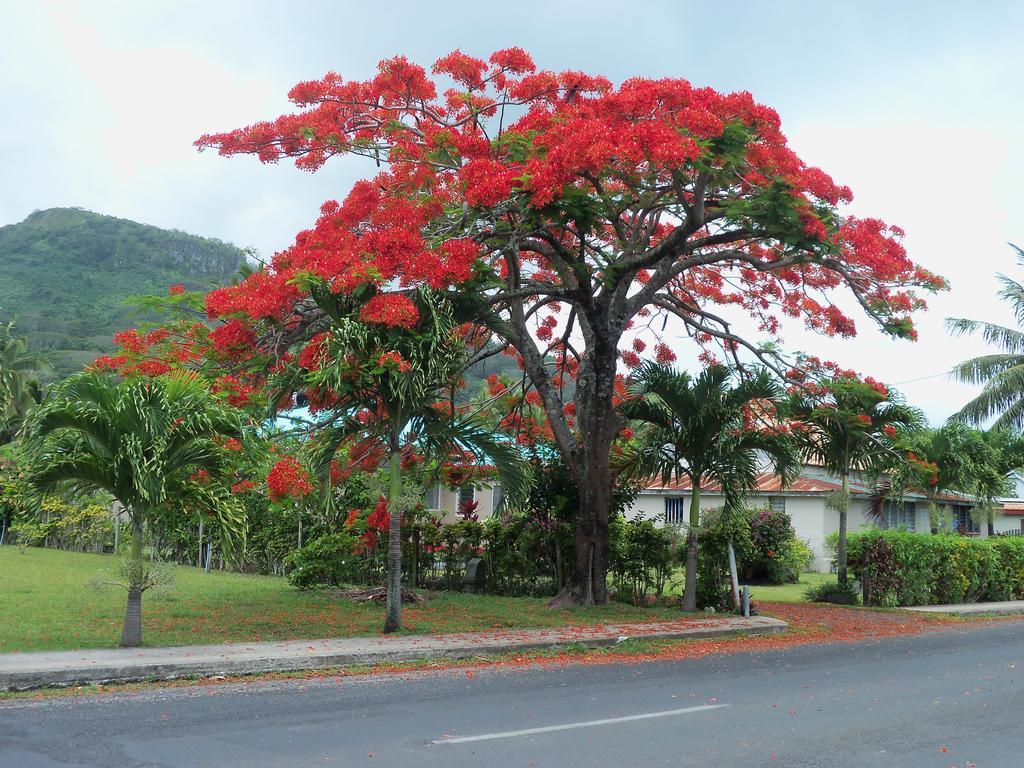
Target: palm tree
x,y
1000,454
702,429
151,444
949,458
846,425
402,375
1001,373
19,388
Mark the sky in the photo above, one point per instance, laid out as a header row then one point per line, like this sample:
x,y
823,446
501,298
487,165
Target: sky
x,y
916,105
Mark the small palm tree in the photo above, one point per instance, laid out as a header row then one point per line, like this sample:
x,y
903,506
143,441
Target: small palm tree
x,y
703,429
401,375
1001,373
150,444
949,458
1000,454
19,388
847,424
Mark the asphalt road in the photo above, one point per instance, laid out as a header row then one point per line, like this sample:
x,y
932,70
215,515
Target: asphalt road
x,y
949,699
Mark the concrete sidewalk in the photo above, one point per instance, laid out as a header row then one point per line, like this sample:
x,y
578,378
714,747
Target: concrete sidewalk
x,y
55,668
971,609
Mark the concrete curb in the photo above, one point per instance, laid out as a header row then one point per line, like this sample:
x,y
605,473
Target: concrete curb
x,y
22,671
971,609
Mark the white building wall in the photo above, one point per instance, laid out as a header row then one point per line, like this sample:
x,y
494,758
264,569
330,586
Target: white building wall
x,y
1004,523
807,513
648,506
809,521
448,502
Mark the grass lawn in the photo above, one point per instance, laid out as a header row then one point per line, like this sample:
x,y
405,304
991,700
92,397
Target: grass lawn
x,y
789,593
46,604
780,593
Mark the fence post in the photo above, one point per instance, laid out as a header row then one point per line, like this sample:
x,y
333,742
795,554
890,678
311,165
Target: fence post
x,y
746,601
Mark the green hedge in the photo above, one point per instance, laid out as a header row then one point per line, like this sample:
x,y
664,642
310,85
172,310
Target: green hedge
x,y
903,568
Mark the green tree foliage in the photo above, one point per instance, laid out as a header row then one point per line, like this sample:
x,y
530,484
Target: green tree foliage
x,y
846,424
948,459
1000,453
710,429
151,444
19,386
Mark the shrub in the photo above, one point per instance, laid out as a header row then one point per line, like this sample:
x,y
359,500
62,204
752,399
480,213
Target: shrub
x,y
777,556
902,568
520,557
797,558
641,558
824,592
61,525
327,561
717,529
1011,562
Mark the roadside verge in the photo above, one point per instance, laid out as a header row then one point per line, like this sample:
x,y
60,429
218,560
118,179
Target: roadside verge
x,y
21,671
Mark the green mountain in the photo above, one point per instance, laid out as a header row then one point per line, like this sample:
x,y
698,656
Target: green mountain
x,y
66,272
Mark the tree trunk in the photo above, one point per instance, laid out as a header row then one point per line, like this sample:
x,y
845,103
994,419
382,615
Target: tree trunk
x,y
559,583
393,615
991,520
690,590
587,582
933,516
844,507
131,635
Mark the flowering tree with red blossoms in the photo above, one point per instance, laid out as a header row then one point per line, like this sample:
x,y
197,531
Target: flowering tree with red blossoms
x,y
573,215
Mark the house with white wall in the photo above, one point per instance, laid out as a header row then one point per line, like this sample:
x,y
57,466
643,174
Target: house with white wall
x,y
447,500
806,502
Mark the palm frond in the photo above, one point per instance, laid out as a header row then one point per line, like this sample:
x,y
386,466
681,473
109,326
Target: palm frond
x,y
439,434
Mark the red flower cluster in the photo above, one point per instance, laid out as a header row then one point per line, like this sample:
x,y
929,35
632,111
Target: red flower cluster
x,y
395,361
379,519
235,391
287,479
314,354
447,209
233,340
395,310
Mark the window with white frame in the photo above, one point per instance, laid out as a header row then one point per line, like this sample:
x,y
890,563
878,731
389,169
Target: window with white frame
x,y
675,509
495,498
777,503
467,493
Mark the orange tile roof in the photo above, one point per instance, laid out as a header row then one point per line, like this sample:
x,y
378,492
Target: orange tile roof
x,y
766,483
770,483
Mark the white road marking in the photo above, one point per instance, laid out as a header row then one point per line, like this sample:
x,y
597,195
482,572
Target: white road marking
x,y
572,726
